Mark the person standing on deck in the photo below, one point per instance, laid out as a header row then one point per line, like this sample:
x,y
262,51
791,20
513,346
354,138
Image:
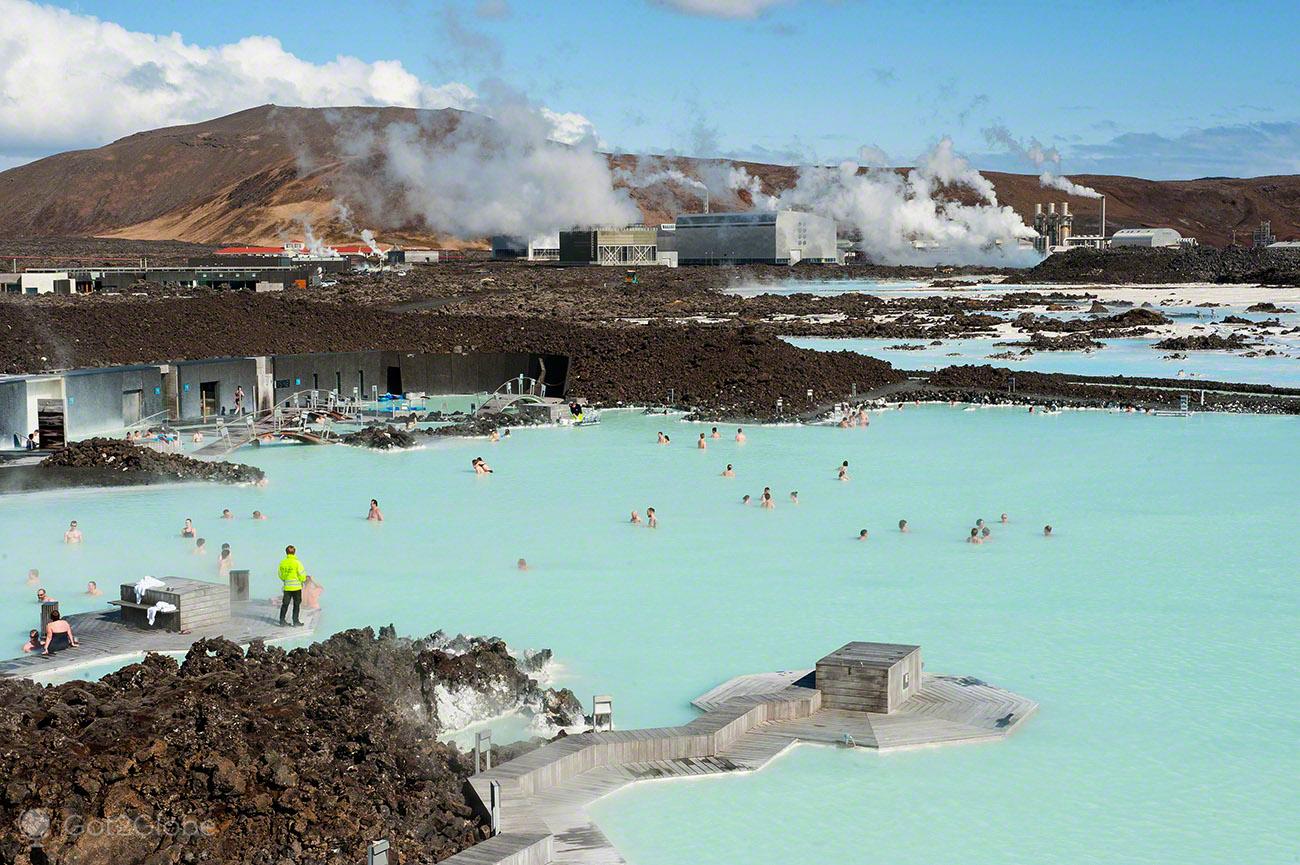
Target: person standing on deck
x,y
239,399
292,575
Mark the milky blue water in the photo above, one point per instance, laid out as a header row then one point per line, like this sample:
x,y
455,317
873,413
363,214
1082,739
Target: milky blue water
x,y
1133,357
1157,628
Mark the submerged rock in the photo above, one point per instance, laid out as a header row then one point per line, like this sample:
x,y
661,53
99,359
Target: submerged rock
x,y
379,437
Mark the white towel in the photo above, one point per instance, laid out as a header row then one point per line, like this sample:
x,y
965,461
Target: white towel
x,y
160,607
144,585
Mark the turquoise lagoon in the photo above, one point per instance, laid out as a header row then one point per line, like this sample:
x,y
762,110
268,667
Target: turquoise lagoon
x,y
1157,628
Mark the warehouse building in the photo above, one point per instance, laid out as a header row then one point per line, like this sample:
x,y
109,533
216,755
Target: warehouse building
x,y
761,237
1149,238
626,246
508,247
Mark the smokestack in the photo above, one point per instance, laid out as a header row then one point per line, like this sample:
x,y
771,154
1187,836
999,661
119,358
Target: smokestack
x,y
1103,218
1038,209
1065,208
1051,208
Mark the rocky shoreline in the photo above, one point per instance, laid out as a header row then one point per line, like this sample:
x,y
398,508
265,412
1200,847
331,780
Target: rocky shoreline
x,y
1136,266
103,462
256,757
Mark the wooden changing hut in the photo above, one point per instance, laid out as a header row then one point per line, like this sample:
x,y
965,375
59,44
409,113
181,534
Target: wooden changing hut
x,y
198,603
869,677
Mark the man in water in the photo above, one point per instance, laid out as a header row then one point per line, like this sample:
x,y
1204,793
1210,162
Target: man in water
x,y
1005,519
715,434
375,515
42,597
33,577
979,523
1047,531
985,534
702,444
292,575
728,472
522,564
651,520
92,588
794,497
844,470
902,526
974,537
480,467
740,435
862,535
73,534
226,514
663,439
636,519
200,546
258,515
766,499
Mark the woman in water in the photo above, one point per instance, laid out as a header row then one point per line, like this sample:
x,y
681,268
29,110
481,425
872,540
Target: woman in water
x,y
73,534
766,500
844,470
200,546
902,526
728,472
715,434
522,564
1005,519
794,497
1047,531
636,519
974,537
985,534
33,641
187,531
740,435
33,577
224,561
862,535
663,439
745,499
58,635
258,515
311,591
480,467
375,515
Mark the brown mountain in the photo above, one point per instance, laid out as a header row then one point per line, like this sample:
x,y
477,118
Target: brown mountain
x,y
255,176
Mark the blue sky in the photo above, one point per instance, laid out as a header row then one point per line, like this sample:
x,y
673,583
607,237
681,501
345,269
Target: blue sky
x,y
1157,89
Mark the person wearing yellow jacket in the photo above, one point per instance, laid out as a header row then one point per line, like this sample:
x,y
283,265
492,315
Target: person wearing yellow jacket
x,y
292,575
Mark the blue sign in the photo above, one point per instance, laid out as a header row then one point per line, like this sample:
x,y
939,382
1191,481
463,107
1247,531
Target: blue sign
x,y
157,391
297,382
71,400
186,388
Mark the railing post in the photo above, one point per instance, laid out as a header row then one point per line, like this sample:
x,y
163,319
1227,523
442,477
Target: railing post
x,y
494,805
377,853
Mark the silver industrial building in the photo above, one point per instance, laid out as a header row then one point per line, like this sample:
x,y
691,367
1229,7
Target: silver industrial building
x,y
1148,237
761,237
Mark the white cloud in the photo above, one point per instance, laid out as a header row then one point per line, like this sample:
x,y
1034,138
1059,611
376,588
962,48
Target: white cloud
x,y
723,8
70,80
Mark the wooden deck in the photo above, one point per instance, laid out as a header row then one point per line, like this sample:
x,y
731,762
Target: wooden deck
x,y
747,721
103,638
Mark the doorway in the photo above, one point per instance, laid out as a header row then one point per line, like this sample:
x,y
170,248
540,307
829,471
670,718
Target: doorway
x,y
132,407
395,380
209,403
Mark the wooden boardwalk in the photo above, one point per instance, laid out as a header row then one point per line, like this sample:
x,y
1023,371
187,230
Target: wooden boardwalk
x,y
102,638
746,723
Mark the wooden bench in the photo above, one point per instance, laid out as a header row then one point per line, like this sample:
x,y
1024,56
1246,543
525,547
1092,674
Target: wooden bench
x,y
199,604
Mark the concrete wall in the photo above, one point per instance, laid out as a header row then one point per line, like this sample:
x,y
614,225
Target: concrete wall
x,y
96,399
13,412
229,373
431,373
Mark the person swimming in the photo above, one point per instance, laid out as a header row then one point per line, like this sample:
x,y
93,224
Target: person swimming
x,y
1005,519
766,500
375,515
1047,531
481,467
979,523
663,439
522,564
651,519
862,535
73,534
974,537
702,444
42,597
844,470
33,576
33,641
494,436
902,526
311,592
844,423
227,515
200,546
744,500
985,534
93,589
258,515
224,561
794,496
636,519
715,434
729,472
740,435
187,531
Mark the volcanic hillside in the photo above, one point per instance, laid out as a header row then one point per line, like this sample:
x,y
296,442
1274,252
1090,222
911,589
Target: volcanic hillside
x,y
256,175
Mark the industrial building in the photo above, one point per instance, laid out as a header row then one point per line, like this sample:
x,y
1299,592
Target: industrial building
x,y
543,247
759,237
629,246
76,404
1149,238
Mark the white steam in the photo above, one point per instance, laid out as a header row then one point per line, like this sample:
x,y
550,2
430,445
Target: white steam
x,y
909,219
498,174
1039,155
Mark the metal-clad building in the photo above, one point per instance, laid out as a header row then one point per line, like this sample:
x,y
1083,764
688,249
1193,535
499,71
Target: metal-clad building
x,y
1146,237
630,245
760,237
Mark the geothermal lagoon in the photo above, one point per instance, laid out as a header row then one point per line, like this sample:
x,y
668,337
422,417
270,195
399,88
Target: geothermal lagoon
x,y
1155,628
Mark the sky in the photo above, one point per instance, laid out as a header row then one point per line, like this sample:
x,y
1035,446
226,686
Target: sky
x,y
1156,89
